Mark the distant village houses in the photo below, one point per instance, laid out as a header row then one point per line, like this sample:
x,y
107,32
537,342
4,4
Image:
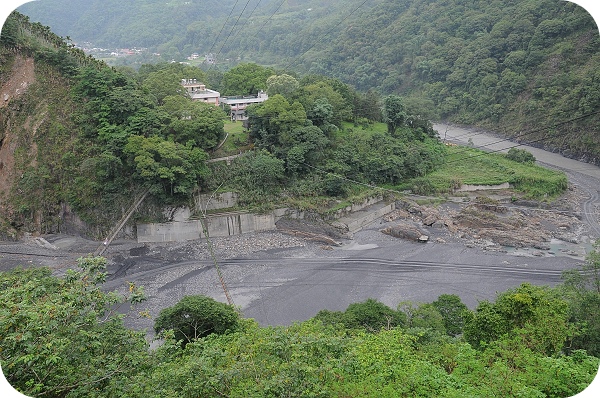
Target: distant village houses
x,y
237,104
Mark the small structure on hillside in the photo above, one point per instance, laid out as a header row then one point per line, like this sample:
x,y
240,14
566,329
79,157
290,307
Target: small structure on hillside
x,y
239,104
198,91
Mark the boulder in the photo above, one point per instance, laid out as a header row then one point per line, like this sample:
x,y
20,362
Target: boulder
x,y
429,218
406,231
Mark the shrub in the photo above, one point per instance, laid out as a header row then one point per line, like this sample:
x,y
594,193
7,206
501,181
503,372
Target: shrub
x,y
197,316
520,155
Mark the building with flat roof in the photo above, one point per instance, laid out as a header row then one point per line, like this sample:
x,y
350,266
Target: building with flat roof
x,y
239,104
198,91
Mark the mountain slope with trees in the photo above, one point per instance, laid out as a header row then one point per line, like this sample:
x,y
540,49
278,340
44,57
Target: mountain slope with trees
x,y
81,136
524,68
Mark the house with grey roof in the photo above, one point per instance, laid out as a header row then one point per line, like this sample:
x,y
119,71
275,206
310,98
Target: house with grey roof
x,y
238,104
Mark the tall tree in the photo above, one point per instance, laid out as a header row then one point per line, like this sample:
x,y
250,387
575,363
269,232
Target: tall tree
x,y
453,312
196,122
245,79
168,167
394,113
282,84
196,316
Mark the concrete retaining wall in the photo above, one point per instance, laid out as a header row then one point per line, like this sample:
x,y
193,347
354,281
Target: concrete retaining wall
x,y
471,188
220,225
355,207
221,201
358,220
236,223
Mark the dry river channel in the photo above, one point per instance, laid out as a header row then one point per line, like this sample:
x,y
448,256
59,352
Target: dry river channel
x,y
278,279
293,280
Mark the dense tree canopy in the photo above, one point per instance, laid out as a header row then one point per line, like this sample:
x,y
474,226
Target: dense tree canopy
x,y
63,337
245,79
283,84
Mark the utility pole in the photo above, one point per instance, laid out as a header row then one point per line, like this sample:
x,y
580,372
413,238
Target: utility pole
x,y
100,250
211,249
214,257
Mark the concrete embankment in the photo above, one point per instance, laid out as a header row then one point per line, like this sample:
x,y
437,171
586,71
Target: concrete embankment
x,y
354,217
358,219
233,223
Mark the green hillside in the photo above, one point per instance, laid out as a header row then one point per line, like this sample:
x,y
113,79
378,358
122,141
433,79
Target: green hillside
x,y
513,66
83,135
80,139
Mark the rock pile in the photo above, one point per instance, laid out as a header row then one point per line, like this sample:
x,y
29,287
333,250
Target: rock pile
x,y
484,223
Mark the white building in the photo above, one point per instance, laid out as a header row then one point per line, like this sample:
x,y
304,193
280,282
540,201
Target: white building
x,y
198,92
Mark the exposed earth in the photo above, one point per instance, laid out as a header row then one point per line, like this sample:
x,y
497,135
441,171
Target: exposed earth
x,y
478,244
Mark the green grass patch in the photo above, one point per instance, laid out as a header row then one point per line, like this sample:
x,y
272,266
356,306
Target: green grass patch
x,y
237,140
475,167
365,128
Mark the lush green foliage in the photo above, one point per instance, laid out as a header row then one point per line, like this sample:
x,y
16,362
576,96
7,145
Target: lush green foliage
x,y
453,312
194,317
245,79
535,317
520,155
63,337
371,316
173,167
88,135
582,287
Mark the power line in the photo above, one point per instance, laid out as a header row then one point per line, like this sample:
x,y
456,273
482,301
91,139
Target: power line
x,y
223,27
520,135
268,19
326,34
233,28
256,35
247,19
529,142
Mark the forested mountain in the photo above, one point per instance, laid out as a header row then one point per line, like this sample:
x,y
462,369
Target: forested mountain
x,y
202,24
521,67
78,137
